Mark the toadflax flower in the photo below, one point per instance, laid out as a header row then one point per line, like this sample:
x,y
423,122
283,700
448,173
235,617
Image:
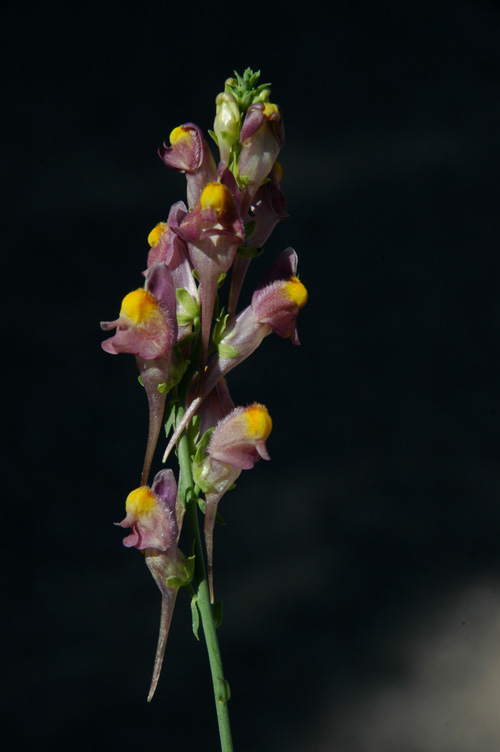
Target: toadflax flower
x,y
213,230
189,153
236,444
275,306
267,209
147,325
147,328
154,516
262,136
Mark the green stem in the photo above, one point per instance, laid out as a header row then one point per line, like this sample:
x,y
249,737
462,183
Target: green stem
x,y
221,687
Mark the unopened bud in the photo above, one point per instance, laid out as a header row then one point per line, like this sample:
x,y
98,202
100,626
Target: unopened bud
x,y
227,122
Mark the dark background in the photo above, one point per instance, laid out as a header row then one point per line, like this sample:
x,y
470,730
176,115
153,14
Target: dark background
x,y
360,568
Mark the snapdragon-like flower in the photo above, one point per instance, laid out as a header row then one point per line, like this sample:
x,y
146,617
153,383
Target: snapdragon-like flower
x,y
275,306
147,325
262,136
213,230
147,328
165,243
155,518
267,209
189,153
151,514
167,246
236,444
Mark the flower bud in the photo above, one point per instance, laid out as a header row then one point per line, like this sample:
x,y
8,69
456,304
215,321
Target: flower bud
x,y
226,124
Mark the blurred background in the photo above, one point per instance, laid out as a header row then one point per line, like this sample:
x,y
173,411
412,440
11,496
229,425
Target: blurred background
x,y
360,568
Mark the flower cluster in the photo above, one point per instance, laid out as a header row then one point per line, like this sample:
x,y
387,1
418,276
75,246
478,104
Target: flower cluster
x,y
185,343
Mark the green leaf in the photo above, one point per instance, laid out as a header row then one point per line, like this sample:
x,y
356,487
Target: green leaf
x,y
202,503
219,328
243,181
224,693
184,574
190,563
205,488
188,303
202,445
195,616
217,613
170,415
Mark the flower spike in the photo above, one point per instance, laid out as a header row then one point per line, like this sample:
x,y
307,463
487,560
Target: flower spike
x,y
185,342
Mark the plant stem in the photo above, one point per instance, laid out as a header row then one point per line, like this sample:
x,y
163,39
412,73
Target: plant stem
x,y
220,685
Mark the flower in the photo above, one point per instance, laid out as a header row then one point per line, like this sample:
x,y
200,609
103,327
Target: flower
x,y
147,328
151,514
147,324
267,209
262,136
275,306
155,518
189,153
213,231
240,439
237,443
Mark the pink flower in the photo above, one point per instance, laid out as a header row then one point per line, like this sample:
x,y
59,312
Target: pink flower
x,y
147,324
237,443
189,153
275,306
151,514
155,518
262,136
213,230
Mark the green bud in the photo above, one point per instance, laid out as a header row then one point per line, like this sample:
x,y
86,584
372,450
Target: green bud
x,y
227,123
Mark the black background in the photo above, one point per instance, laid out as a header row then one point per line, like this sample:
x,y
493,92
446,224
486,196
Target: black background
x,y
360,568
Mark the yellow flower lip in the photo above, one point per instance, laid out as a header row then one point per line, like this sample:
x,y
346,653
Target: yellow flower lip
x,y
215,196
295,291
156,233
139,306
271,109
258,420
141,501
179,134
